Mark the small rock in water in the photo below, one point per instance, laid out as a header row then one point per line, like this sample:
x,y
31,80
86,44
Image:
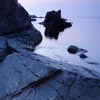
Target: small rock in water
x,y
83,56
33,19
93,63
81,50
72,49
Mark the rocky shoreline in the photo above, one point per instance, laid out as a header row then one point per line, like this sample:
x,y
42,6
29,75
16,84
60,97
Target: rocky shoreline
x,y
25,75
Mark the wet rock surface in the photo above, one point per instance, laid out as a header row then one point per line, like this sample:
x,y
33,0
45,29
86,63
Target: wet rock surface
x,y
72,49
28,76
54,24
25,75
83,56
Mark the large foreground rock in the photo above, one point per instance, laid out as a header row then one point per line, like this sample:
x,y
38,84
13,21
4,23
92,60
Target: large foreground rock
x,y
16,29
28,76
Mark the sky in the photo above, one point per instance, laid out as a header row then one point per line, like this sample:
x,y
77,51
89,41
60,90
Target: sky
x,y
73,8
56,1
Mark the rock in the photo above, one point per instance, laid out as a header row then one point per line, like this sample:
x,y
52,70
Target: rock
x,y
13,17
33,19
83,56
72,49
33,16
17,33
15,23
26,76
52,16
93,63
7,7
6,51
54,24
17,78
40,17
81,50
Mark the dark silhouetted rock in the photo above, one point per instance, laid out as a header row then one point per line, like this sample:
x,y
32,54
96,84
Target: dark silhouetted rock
x,y
16,31
83,56
33,19
54,24
72,49
33,16
13,18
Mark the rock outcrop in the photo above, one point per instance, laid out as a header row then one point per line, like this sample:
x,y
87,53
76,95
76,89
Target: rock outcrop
x,y
54,24
28,76
14,18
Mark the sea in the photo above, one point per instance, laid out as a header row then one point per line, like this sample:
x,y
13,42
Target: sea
x,y
84,33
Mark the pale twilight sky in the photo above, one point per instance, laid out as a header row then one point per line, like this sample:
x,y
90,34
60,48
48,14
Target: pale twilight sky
x,y
55,1
71,7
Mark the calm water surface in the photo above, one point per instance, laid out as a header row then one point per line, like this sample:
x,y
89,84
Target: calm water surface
x,y
84,33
